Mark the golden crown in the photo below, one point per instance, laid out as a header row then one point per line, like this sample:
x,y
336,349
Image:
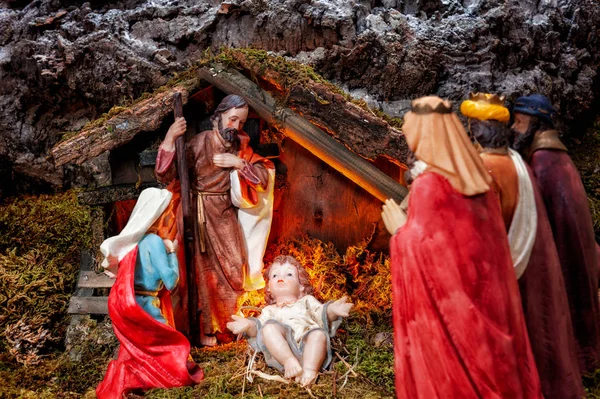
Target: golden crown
x,y
487,98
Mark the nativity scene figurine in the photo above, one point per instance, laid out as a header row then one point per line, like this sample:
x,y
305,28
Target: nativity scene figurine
x,y
153,354
473,260
220,252
534,255
456,307
294,330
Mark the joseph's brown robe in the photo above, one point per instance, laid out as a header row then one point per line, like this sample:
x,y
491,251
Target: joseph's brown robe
x,y
219,249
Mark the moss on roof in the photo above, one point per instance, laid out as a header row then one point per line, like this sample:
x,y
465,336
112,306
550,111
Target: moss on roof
x,y
291,73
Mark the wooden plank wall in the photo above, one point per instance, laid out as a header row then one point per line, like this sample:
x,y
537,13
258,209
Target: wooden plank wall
x,y
319,201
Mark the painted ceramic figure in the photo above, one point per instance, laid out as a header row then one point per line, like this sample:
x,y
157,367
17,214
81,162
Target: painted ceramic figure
x,y
156,267
533,251
295,329
220,254
153,354
458,321
570,218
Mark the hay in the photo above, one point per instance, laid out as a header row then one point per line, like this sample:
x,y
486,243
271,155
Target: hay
x,y
360,274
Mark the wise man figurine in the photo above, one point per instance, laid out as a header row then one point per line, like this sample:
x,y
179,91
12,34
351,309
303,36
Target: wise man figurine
x,y
570,218
458,322
532,248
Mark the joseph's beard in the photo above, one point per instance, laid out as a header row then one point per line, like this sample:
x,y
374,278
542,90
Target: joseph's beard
x,y
522,142
229,134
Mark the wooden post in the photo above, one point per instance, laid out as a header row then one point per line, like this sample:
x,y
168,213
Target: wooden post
x,y
306,134
188,232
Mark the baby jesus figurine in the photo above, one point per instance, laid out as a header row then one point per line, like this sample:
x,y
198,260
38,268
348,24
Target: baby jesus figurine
x,y
294,331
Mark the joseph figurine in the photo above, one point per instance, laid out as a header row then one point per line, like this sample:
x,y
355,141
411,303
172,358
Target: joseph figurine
x,y
220,254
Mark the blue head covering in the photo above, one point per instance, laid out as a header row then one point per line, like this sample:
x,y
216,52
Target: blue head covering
x,y
536,105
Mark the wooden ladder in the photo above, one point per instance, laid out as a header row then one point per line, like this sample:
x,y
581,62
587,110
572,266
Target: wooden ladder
x,y
83,302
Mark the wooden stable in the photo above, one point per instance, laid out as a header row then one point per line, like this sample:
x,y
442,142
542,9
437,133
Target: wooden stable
x,y
325,186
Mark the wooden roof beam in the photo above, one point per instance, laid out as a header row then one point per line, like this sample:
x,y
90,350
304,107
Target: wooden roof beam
x,y
306,134
146,115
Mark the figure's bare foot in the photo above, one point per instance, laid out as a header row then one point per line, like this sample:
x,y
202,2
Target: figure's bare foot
x,y
208,340
308,377
292,367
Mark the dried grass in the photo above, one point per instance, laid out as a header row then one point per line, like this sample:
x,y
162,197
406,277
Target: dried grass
x,y
360,274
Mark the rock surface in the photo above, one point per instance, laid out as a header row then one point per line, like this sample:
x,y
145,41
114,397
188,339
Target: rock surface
x,y
63,64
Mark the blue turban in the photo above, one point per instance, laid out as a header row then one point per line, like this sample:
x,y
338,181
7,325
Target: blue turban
x,y
536,105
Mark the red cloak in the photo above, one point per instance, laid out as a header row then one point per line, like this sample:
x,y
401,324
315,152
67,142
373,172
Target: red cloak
x,y
543,293
152,354
571,222
458,323
547,315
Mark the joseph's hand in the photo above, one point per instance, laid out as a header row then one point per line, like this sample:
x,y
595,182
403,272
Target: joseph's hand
x,y
176,130
228,161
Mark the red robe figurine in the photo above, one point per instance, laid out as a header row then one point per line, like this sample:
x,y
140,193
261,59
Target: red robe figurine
x,y
458,323
152,354
570,218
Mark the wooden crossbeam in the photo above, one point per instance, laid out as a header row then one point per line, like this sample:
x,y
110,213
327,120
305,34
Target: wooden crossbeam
x,y
88,305
91,279
145,116
306,134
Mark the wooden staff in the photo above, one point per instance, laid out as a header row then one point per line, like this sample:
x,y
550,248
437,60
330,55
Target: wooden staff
x,y
188,231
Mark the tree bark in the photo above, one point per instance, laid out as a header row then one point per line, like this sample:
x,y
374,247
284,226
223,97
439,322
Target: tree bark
x,y
324,105
147,115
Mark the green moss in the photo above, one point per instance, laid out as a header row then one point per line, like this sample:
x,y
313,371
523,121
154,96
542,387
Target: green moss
x,y
291,73
585,154
376,363
40,243
57,376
